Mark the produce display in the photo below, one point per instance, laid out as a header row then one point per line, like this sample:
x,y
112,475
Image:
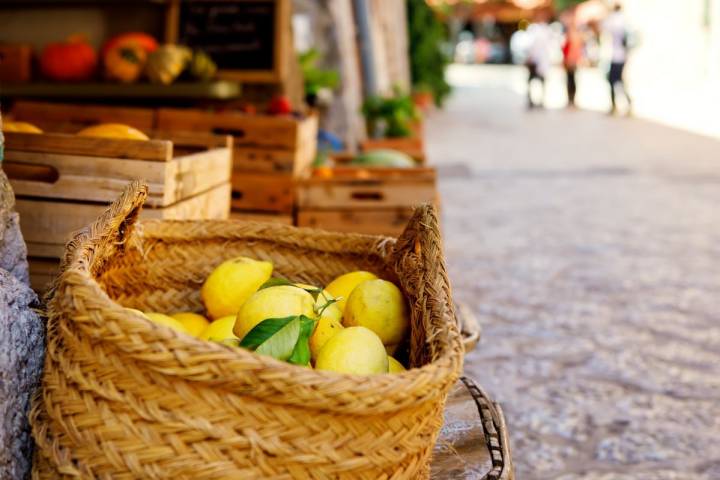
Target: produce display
x,y
126,58
352,325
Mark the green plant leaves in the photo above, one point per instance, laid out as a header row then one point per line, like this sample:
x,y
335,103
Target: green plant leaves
x,y
282,338
275,282
263,331
282,344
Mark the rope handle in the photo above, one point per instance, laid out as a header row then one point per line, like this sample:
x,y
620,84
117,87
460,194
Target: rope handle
x,y
419,249
496,434
114,225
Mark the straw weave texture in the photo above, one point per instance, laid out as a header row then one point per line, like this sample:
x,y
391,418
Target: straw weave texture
x,y
124,398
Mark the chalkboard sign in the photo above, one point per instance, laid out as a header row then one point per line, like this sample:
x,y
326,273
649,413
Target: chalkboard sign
x,y
244,37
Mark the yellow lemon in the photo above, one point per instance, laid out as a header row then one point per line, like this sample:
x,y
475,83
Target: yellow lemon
x,y
232,283
342,286
162,319
353,350
193,322
273,302
22,127
113,130
380,306
394,366
219,330
325,329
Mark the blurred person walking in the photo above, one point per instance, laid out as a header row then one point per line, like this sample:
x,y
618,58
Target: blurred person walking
x,y
572,55
616,29
538,60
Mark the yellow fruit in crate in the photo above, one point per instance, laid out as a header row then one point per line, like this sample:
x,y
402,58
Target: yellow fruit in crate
x,y
353,350
331,311
394,366
273,302
21,127
113,130
380,306
193,322
219,330
342,286
325,329
162,319
232,283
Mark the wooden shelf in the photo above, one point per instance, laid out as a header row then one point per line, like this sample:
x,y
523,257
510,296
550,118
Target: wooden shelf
x,y
218,90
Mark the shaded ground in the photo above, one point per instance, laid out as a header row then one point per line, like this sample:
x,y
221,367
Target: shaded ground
x,y
589,246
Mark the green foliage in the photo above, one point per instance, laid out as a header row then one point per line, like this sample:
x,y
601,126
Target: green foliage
x,y
427,59
390,117
282,338
563,4
315,77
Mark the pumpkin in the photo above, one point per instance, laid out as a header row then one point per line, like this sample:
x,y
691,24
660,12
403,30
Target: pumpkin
x,y
166,63
71,61
145,41
125,62
202,66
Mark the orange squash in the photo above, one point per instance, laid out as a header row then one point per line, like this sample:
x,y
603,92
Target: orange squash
x,y
125,62
71,61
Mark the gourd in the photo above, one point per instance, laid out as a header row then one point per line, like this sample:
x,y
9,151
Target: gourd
x,y
125,62
73,60
166,63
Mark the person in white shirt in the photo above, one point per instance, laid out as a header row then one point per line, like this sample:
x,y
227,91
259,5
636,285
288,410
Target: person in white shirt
x,y
616,29
538,60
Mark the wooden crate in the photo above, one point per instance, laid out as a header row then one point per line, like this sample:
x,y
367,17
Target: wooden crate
x,y
15,63
376,221
42,272
70,167
368,188
263,217
70,118
48,224
263,143
364,200
263,193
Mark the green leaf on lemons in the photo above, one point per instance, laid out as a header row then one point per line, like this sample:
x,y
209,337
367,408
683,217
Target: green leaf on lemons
x,y
301,353
275,282
282,344
261,332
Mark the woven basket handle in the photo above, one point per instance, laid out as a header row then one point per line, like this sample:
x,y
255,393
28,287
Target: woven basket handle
x,y
496,434
113,226
419,250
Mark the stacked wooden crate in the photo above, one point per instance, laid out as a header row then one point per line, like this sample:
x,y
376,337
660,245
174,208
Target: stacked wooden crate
x,y
64,182
374,200
270,154
70,118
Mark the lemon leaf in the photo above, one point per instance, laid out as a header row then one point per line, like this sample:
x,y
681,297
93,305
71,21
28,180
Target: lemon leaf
x,y
282,343
301,353
261,332
275,282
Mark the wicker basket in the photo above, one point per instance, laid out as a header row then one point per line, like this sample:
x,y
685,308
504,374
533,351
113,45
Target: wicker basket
x,y
123,398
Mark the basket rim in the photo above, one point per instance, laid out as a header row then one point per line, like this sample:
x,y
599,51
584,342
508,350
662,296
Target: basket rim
x,y
412,387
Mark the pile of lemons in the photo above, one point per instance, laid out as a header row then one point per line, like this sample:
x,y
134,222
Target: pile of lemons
x,y
354,324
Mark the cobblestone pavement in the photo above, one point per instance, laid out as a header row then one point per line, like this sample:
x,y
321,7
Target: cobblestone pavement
x,y
589,247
